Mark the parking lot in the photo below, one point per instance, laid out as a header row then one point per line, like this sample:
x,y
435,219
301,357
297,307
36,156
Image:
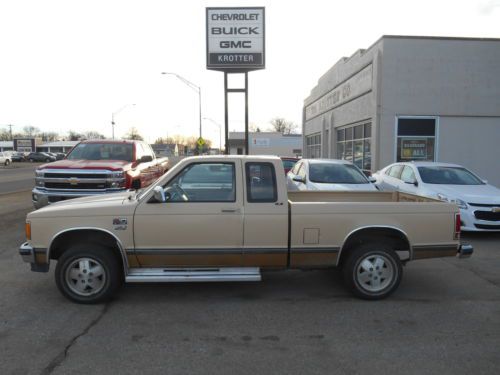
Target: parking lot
x,y
444,318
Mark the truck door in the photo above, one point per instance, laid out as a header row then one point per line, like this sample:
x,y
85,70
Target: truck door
x,y
266,217
201,222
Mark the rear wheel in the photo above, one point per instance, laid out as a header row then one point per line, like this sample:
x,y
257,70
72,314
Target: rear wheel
x,y
7,162
88,273
372,271
31,160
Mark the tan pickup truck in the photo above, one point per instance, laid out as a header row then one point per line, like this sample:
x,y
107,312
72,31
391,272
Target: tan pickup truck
x,y
226,218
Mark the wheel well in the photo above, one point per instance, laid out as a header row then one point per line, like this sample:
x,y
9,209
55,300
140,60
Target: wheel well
x,y
393,237
61,243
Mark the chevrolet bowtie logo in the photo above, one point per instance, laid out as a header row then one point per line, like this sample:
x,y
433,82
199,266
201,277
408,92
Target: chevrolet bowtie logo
x,y
73,181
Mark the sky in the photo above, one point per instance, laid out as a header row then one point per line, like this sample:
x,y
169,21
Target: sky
x,y
69,65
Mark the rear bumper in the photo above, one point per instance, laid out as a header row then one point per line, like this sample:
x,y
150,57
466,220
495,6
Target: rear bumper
x,y
465,251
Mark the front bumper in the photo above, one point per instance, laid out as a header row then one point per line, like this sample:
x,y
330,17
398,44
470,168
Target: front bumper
x,y
472,224
465,251
27,253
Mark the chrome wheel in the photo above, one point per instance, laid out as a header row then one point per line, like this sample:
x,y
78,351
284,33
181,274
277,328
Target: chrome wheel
x,y
85,276
374,273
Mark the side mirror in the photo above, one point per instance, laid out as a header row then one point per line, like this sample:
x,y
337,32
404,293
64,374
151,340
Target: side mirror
x,y
298,178
159,194
146,159
372,179
485,181
412,182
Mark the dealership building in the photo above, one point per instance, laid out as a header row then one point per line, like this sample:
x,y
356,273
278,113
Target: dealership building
x,y
266,143
410,98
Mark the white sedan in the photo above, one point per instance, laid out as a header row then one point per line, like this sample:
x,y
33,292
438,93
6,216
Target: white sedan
x,y
479,202
327,174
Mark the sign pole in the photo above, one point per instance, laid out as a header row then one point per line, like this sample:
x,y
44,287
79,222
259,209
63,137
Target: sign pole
x,y
226,118
247,149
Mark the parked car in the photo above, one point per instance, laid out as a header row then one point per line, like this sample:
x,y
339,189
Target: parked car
x,y
328,174
60,155
226,218
97,167
18,156
288,163
478,201
5,158
40,156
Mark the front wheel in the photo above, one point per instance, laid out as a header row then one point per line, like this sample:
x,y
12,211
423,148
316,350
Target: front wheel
x,y
7,162
372,271
88,273
47,160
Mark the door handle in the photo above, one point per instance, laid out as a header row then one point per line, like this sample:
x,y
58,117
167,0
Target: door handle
x,y
278,204
227,210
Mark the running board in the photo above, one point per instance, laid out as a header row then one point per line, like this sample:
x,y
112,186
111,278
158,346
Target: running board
x,y
174,275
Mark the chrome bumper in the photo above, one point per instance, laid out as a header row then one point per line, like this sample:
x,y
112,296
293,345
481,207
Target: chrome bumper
x,y
27,253
465,251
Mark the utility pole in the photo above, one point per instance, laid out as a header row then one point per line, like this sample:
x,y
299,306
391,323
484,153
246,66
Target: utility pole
x,y
10,127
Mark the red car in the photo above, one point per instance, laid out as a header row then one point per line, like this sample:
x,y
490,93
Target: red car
x,y
288,163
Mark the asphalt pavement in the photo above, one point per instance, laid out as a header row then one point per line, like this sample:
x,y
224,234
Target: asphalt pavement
x,y
444,319
17,177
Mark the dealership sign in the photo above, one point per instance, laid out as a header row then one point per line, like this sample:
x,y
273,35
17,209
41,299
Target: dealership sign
x,y
235,38
414,149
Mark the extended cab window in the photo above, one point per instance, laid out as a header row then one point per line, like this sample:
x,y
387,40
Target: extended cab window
x,y
203,182
261,182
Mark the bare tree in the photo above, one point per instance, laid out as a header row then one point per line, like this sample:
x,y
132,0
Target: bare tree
x,y
133,133
49,136
4,135
283,126
91,134
74,136
30,130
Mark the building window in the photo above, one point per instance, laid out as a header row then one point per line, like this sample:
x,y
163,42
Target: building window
x,y
313,146
416,139
354,145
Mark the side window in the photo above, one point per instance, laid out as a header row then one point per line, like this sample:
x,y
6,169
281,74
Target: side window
x,y
302,171
296,167
261,182
139,152
396,171
203,182
408,175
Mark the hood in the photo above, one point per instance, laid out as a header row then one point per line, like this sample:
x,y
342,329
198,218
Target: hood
x,y
485,194
95,205
342,187
112,165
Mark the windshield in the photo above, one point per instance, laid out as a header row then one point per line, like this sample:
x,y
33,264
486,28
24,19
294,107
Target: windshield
x,y
448,176
102,151
336,174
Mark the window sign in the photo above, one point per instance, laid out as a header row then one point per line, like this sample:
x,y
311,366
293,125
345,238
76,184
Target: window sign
x,y
413,149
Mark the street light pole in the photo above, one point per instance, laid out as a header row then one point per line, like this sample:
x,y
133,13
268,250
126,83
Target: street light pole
x,y
193,87
113,118
220,131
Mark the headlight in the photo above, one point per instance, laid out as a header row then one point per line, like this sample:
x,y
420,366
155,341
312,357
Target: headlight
x,y
461,204
39,173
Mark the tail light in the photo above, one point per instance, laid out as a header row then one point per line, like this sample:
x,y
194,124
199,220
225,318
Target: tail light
x,y
458,224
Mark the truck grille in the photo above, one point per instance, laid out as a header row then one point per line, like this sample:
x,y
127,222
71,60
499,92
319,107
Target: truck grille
x,y
80,180
487,215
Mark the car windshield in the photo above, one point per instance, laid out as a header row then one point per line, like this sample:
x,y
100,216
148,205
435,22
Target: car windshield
x,y
102,151
448,176
327,173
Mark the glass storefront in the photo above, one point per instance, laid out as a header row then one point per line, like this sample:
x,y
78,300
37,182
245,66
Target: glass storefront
x,y
354,145
313,146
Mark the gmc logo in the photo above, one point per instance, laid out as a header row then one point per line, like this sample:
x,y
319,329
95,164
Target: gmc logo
x,y
233,44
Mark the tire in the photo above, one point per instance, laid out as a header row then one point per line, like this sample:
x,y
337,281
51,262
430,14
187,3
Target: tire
x,y
31,160
372,271
7,162
88,273
47,160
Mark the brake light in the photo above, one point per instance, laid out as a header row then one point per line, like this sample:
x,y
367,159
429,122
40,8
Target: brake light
x,y
27,229
458,224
